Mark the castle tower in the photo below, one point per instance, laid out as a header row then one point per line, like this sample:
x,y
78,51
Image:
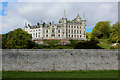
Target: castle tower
x,y
84,26
64,22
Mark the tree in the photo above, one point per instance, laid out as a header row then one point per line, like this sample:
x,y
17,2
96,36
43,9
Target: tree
x,y
101,30
115,35
17,39
88,35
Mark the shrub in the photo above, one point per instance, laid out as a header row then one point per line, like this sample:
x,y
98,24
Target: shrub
x,y
92,44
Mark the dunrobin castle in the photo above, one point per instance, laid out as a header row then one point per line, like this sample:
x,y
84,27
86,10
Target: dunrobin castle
x,y
64,30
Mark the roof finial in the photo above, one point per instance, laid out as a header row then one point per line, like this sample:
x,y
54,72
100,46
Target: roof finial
x,y
64,14
25,23
78,14
41,21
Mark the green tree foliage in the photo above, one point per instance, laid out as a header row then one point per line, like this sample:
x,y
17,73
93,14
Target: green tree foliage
x,y
92,44
88,35
101,30
17,39
115,35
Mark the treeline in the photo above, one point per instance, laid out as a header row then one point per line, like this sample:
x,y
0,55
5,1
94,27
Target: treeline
x,y
19,39
104,30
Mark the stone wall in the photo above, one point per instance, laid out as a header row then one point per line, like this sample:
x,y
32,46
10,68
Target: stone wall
x,y
59,59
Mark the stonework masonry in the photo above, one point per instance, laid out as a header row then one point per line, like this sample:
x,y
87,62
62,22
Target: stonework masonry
x,y
59,59
65,29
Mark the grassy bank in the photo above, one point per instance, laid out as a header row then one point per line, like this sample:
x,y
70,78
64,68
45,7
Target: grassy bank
x,y
61,74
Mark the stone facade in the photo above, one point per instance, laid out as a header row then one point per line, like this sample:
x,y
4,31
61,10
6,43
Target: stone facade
x,y
59,59
65,29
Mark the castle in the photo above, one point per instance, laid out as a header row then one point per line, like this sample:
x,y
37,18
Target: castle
x,y
64,30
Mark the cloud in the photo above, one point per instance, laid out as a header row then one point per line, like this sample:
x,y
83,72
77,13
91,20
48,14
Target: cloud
x,y
63,0
17,13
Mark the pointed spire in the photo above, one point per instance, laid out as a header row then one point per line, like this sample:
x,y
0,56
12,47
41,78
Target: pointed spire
x,y
78,16
64,14
41,21
25,23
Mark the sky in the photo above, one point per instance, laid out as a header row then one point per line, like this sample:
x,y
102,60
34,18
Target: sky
x,y
14,13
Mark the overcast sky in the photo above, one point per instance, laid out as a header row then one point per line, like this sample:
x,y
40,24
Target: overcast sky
x,y
15,14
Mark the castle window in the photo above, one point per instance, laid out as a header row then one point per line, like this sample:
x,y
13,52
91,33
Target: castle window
x,y
59,35
72,35
71,26
77,35
74,31
84,32
33,34
58,31
52,31
39,29
46,35
77,26
80,26
80,35
80,31
74,26
69,31
53,35
36,30
46,31
69,35
38,35
77,31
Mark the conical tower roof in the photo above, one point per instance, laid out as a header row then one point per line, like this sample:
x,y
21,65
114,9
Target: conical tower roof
x,y
78,18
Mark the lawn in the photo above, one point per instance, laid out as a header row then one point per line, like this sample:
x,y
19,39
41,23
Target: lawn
x,y
51,42
62,74
104,43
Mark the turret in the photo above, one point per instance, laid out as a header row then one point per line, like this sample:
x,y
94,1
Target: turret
x,y
64,22
78,18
